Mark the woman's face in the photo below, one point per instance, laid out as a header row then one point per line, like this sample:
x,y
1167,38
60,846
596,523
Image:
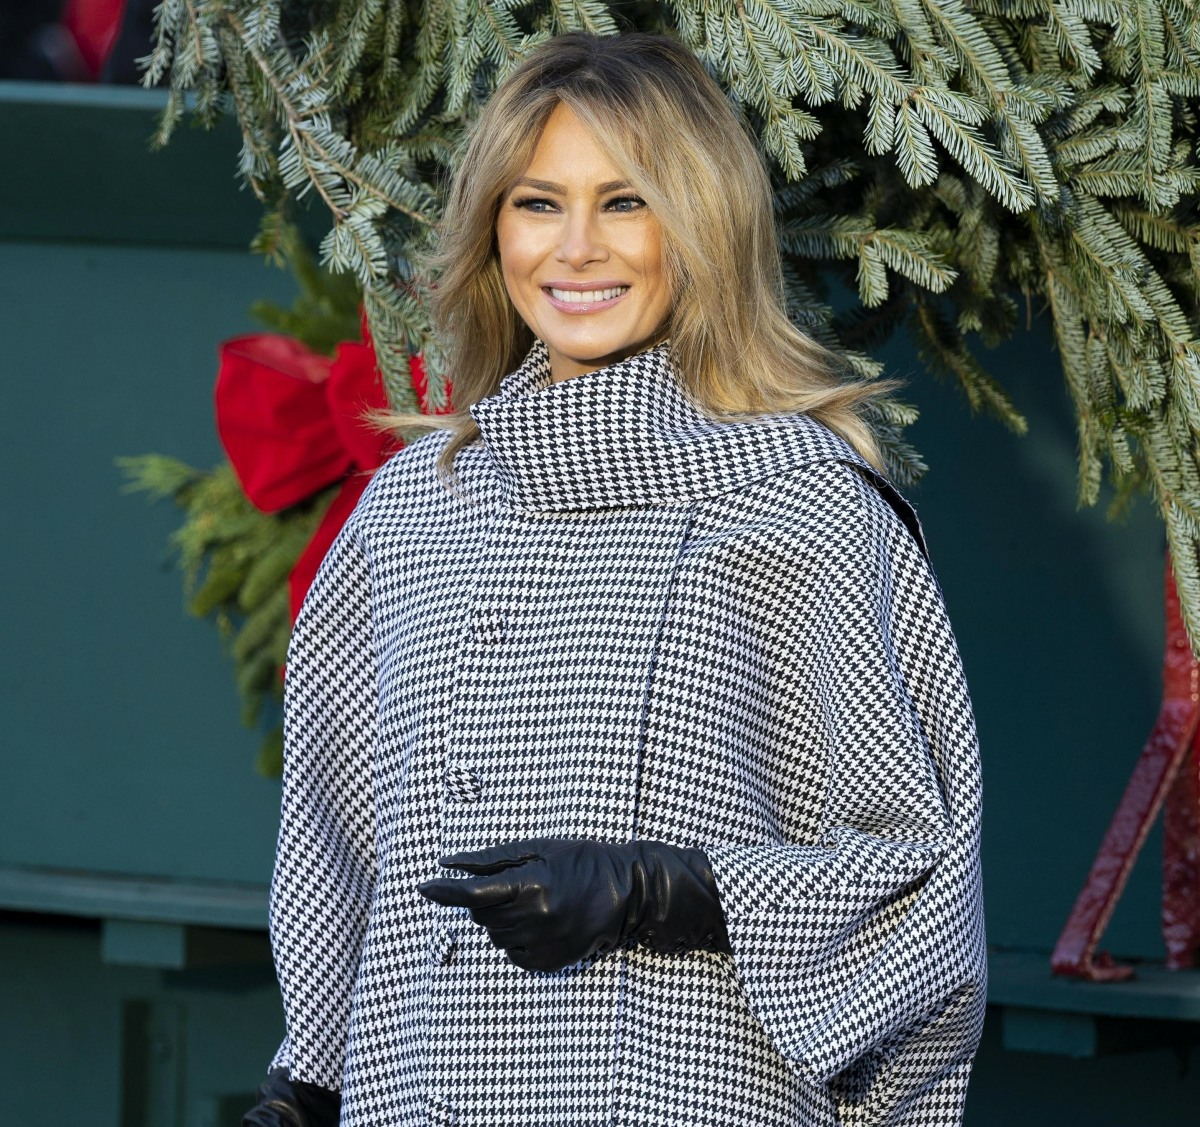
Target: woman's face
x,y
581,254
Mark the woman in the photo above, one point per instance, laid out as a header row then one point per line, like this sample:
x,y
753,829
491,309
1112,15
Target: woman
x,y
630,775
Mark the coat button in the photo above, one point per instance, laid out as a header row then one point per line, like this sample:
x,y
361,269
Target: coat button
x,y
441,946
487,625
463,784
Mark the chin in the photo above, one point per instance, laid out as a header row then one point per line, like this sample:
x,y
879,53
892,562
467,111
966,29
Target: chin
x,y
599,352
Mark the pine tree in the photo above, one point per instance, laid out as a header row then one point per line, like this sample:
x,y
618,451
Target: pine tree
x,y
950,160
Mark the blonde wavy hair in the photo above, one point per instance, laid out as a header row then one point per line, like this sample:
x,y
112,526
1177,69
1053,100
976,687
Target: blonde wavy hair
x,y
669,129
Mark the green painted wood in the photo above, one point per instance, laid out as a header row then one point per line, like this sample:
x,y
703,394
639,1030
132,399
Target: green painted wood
x,y
154,1070
1058,613
1083,1036
1154,1088
1022,979
1036,1031
181,947
86,1043
118,896
139,943
87,173
122,749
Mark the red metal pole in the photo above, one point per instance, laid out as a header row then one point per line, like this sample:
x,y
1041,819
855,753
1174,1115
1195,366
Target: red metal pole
x,y
1181,864
1171,743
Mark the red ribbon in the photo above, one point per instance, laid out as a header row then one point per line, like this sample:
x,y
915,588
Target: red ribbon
x,y
292,423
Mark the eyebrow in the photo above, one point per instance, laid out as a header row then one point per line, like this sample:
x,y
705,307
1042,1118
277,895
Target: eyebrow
x,y
559,190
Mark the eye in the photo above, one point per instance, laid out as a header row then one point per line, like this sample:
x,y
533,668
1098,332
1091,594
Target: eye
x,y
539,205
626,204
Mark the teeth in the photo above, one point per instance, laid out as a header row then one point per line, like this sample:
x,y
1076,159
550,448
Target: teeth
x,y
585,296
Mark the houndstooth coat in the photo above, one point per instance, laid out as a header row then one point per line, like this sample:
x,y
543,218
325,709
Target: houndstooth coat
x,y
632,621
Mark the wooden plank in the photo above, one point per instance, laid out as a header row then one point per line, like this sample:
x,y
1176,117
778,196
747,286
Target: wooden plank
x,y
1023,979
125,897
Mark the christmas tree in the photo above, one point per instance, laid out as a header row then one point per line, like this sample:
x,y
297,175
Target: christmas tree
x,y
958,165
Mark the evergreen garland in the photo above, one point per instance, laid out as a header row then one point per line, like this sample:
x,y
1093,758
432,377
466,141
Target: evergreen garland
x,y
235,559
942,157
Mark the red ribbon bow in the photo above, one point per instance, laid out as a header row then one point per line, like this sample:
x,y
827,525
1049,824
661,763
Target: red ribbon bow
x,y
292,422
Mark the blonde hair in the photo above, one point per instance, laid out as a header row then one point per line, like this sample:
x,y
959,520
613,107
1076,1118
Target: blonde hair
x,y
670,130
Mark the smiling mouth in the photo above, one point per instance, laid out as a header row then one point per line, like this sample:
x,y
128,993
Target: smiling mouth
x,y
585,297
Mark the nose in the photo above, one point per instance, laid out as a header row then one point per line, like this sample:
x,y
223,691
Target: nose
x,y
581,241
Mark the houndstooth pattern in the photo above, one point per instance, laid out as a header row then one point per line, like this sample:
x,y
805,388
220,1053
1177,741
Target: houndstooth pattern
x,y
630,620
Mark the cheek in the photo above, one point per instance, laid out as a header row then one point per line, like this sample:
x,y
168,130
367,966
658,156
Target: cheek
x,y
508,252
654,269
508,248
521,247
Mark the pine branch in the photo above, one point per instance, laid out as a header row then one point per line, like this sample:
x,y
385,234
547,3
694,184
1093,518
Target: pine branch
x,y
936,156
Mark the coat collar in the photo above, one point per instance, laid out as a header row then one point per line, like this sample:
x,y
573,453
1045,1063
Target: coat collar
x,y
627,435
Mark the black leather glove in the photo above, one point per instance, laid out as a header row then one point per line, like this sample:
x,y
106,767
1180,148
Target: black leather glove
x,y
283,1102
551,902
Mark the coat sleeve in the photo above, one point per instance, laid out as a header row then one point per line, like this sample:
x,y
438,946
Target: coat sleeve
x,y
325,863
866,936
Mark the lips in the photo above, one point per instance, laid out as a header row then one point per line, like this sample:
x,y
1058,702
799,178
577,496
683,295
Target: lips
x,y
584,300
